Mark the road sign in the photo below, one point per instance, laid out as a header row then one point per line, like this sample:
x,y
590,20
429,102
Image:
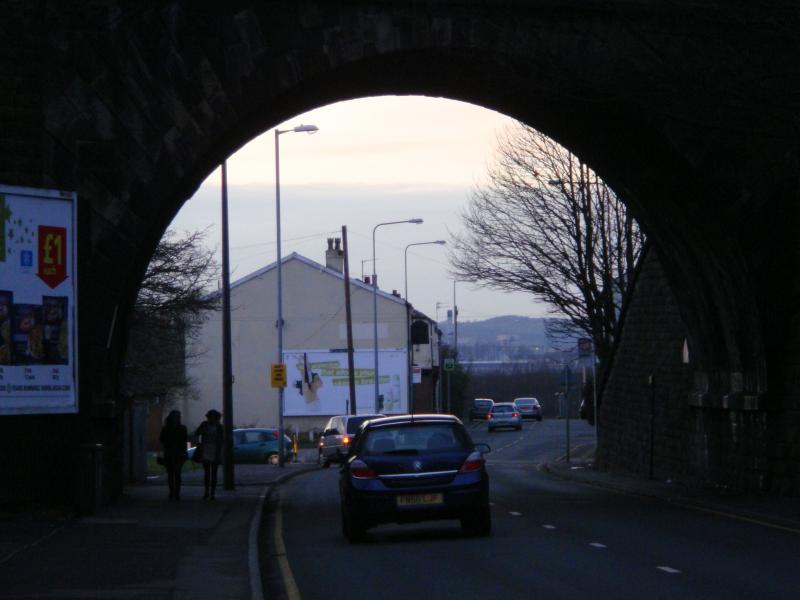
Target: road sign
x,y
416,374
584,347
449,364
279,375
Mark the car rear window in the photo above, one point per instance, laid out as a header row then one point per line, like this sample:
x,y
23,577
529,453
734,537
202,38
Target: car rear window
x,y
483,403
416,438
502,409
353,423
525,403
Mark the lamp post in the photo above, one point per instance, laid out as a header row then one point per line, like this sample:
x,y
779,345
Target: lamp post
x,y
415,221
408,319
278,133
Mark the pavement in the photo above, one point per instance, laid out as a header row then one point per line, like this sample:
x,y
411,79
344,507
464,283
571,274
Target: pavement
x,y
144,546
771,511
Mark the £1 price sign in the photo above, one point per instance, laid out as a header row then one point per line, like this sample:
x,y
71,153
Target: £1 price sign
x,y
52,255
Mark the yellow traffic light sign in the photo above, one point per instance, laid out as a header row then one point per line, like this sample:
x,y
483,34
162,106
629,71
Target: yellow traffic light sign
x,y
278,375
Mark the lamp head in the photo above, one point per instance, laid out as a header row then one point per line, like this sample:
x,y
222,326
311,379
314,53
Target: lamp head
x,y
306,129
415,221
440,242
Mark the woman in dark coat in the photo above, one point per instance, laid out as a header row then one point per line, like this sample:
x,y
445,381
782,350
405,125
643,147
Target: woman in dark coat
x,y
209,445
174,439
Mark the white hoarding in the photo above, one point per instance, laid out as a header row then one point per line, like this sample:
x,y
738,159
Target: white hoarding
x,y
318,382
38,329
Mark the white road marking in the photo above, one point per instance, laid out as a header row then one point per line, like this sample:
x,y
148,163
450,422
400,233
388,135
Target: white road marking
x,y
491,504
549,526
598,545
667,569
514,513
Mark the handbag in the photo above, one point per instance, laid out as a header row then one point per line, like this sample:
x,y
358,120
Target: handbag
x,y
160,459
197,455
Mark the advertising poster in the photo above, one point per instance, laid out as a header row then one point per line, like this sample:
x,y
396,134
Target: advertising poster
x,y
318,382
37,302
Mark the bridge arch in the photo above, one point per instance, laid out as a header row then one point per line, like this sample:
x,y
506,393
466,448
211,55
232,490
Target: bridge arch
x,y
133,107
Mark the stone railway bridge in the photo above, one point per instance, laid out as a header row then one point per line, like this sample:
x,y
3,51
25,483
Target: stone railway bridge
x,y
690,110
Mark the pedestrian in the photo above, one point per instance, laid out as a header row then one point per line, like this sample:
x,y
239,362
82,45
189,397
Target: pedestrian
x,y
209,445
173,438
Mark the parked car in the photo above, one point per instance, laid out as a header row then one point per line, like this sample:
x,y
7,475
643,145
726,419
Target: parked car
x,y
529,408
257,446
480,408
504,414
413,468
339,432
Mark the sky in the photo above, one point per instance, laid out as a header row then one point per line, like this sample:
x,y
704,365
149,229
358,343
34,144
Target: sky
x,y
373,160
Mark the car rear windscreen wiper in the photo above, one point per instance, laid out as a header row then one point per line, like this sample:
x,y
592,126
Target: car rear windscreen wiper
x,y
404,451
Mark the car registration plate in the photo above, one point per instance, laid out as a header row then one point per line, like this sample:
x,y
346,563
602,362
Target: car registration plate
x,y
420,500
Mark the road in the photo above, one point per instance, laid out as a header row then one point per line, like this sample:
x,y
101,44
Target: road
x,y
551,539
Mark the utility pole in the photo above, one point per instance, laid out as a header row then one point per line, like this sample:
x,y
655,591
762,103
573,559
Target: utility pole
x,y
349,317
227,367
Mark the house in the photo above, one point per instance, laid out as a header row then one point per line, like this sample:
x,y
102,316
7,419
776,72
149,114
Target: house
x,y
315,348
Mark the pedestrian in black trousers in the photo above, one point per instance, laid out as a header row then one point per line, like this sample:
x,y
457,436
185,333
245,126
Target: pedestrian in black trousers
x,y
174,439
210,440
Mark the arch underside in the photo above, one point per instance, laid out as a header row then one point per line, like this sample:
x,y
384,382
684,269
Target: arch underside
x,y
691,126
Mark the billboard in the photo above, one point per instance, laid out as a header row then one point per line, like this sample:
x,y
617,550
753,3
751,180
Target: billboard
x,y
38,329
318,382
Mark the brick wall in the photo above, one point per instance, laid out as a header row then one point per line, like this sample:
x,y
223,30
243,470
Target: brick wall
x,y
662,417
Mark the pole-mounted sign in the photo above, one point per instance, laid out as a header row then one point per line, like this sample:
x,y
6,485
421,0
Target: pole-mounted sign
x,y
585,347
278,375
449,364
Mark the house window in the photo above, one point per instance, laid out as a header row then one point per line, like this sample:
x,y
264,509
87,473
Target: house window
x,y
420,332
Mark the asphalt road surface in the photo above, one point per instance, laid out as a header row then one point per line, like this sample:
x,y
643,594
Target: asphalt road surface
x,y
551,539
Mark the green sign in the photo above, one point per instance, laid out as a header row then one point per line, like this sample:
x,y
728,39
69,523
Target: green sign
x,y
449,364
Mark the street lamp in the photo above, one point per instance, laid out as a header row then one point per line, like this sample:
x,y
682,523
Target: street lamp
x,y
278,133
405,260
408,319
416,221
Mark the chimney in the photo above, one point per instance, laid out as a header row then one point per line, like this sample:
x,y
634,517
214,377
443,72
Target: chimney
x,y
334,256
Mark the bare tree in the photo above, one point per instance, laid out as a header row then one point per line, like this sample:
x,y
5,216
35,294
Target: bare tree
x,y
547,224
172,303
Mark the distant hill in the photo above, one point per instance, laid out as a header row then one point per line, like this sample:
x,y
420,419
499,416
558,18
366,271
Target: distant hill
x,y
499,338
511,329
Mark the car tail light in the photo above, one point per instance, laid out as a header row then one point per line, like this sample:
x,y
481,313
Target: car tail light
x,y
473,463
514,415
361,470
345,440
488,416
321,443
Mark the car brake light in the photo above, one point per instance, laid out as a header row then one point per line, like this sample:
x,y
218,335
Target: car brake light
x,y
321,443
361,470
473,463
514,414
488,416
345,440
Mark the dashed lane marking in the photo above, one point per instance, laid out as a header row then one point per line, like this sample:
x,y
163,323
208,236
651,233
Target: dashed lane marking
x,y
491,504
514,513
666,569
597,545
549,526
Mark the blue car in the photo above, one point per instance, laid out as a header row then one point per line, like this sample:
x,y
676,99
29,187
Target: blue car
x,y
257,446
413,468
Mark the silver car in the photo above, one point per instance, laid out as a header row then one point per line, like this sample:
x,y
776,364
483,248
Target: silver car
x,y
334,444
504,414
